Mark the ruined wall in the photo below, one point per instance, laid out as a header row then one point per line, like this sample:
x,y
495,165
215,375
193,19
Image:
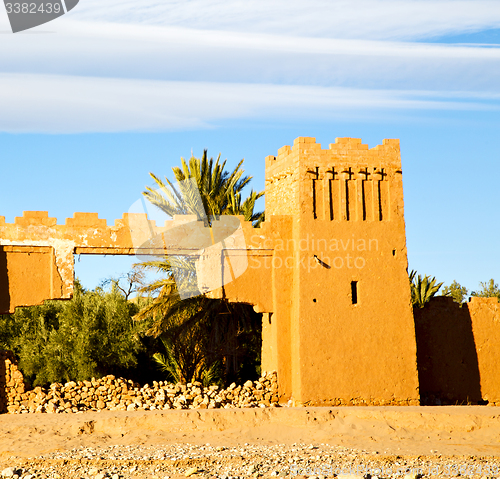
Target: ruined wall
x,y
458,351
37,254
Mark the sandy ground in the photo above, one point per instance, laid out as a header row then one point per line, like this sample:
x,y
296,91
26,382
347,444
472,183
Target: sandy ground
x,y
400,432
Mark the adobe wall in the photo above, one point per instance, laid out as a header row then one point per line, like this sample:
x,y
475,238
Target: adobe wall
x,y
485,318
446,353
457,351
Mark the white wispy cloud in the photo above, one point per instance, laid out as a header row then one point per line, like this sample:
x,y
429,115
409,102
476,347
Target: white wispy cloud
x,y
354,19
116,65
77,104
132,51
366,19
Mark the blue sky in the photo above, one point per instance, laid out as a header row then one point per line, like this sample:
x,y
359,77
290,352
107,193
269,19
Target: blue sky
x,y
95,100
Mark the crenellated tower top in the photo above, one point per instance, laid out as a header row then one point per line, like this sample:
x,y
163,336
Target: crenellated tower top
x,y
347,181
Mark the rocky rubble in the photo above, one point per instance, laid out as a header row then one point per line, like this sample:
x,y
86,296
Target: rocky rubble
x,y
300,461
11,380
117,394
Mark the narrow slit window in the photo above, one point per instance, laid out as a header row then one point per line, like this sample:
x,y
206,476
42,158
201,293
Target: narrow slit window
x,y
315,215
354,292
347,200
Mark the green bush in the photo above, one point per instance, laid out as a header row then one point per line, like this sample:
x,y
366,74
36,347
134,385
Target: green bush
x,y
91,335
456,291
489,289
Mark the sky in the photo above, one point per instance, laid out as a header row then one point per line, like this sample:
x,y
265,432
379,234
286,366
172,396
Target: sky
x,y
93,101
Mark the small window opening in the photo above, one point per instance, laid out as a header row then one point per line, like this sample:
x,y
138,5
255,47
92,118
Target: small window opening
x,y
354,292
393,252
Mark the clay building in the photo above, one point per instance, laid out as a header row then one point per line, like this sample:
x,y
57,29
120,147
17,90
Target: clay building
x,y
328,270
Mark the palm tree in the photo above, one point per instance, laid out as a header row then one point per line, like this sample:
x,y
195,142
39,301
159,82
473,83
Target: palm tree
x,y
212,192
198,332
423,289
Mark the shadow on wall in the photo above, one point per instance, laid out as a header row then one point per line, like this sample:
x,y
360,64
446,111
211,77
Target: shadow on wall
x,y
4,283
448,369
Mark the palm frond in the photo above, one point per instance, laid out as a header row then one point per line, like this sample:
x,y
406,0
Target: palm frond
x,y
169,365
422,289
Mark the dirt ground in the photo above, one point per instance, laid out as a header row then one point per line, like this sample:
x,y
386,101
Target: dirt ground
x,y
281,441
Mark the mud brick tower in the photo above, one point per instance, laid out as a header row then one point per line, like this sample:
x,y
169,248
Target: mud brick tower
x,y
341,330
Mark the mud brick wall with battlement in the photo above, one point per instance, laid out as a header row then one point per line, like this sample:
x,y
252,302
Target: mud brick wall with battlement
x,y
37,254
348,159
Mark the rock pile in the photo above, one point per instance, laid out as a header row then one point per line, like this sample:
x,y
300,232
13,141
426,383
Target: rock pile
x,y
117,394
11,380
